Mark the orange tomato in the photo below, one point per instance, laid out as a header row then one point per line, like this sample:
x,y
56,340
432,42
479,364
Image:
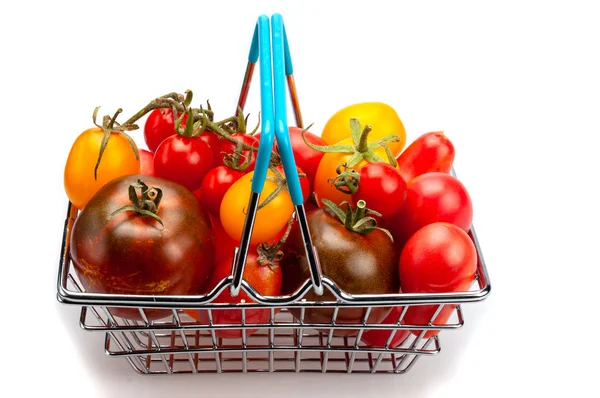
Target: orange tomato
x,y
382,117
324,189
118,160
270,220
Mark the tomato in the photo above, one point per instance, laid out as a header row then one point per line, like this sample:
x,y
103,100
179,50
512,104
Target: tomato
x,y
184,160
225,246
146,162
327,172
381,117
265,279
377,338
270,219
382,187
118,160
214,141
360,263
215,184
438,258
304,184
430,152
130,253
432,197
227,147
159,126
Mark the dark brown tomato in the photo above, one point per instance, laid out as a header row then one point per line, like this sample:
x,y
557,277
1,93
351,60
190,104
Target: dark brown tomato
x,y
359,264
133,254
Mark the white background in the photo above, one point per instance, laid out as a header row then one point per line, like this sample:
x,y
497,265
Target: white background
x,y
514,84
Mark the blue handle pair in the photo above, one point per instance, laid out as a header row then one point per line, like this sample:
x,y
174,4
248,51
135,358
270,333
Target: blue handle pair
x,y
273,102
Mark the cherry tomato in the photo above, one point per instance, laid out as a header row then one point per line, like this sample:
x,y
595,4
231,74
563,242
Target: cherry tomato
x,y
185,160
146,162
430,152
214,141
383,119
130,253
214,186
438,258
117,160
377,338
432,197
227,147
270,219
382,187
159,126
265,279
225,246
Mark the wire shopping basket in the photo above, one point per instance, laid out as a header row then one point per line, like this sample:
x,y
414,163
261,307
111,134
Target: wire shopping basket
x,y
287,341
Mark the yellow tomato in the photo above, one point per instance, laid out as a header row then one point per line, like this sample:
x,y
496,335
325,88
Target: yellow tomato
x,y
327,170
118,160
383,119
270,220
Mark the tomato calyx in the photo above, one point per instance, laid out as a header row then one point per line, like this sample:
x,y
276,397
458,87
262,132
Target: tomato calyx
x,y
146,205
358,219
237,161
110,125
281,182
270,253
361,148
347,180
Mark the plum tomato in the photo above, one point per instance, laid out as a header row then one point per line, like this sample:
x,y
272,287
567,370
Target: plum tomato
x,y
131,252
431,152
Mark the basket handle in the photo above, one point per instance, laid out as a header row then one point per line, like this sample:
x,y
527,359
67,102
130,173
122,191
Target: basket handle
x,y
274,120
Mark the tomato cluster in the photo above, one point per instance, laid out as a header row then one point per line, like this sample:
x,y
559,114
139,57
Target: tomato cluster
x,y
384,219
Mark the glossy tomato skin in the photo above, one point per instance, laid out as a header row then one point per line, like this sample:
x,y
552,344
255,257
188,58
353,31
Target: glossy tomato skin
x,y
432,197
118,160
380,116
214,141
359,264
377,338
214,186
438,258
132,254
224,245
265,279
431,152
146,162
159,126
227,147
184,160
382,187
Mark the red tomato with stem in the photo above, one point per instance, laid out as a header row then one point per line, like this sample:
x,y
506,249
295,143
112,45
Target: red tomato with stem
x,y
431,152
265,279
227,147
184,160
146,162
432,197
159,126
377,338
214,186
438,258
382,187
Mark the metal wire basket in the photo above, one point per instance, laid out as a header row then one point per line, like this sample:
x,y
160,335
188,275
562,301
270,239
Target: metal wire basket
x,y
178,343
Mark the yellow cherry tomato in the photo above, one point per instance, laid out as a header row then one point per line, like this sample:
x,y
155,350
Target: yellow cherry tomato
x,y
118,160
327,170
383,119
270,220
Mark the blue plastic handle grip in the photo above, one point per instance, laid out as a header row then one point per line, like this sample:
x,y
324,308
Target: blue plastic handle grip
x,y
266,96
281,125
289,69
253,55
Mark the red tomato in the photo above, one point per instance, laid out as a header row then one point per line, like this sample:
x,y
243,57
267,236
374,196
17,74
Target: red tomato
x,y
265,279
432,197
184,160
429,153
214,186
146,162
378,338
438,258
381,187
227,147
225,246
159,126
214,141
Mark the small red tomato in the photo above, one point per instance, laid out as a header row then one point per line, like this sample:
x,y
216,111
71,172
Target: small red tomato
x,y
214,186
438,258
227,147
146,162
432,197
214,141
431,152
377,338
225,246
184,160
381,187
159,126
